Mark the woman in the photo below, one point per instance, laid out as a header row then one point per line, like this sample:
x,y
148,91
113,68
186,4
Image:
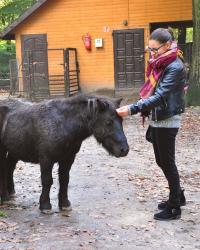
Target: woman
x,y
162,94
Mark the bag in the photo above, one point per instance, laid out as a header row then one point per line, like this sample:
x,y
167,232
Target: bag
x,y
148,135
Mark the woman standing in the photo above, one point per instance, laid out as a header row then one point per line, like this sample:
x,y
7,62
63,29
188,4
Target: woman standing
x,y
162,95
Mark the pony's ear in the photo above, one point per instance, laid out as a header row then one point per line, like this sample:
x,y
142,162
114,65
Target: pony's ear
x,y
118,101
102,105
92,105
97,104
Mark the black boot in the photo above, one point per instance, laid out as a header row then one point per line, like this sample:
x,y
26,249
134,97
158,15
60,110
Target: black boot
x,y
163,204
168,213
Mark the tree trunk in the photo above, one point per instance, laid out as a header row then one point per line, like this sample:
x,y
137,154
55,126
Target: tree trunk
x,y
193,97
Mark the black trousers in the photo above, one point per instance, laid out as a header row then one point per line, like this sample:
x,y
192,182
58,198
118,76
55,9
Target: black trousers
x,y
163,140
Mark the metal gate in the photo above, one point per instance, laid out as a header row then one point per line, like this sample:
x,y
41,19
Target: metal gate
x,y
48,73
35,66
56,68
62,78
71,72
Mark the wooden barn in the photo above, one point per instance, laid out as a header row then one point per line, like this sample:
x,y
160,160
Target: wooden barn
x,y
53,40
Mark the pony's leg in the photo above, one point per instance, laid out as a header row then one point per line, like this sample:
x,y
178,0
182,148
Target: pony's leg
x,y
3,177
64,168
10,165
47,181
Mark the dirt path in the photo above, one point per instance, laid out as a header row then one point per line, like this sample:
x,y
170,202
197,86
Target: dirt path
x,y
113,199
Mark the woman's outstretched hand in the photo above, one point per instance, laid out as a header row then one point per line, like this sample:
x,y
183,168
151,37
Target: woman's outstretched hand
x,y
123,111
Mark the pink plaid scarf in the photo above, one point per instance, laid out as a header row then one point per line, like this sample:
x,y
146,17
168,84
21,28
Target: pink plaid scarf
x,y
156,67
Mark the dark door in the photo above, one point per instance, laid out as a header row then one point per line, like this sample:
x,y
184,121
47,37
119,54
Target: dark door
x,y
71,72
35,66
129,58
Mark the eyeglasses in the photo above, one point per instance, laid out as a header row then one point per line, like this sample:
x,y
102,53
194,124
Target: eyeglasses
x,y
155,50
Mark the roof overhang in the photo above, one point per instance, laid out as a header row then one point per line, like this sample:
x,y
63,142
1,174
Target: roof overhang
x,y
8,34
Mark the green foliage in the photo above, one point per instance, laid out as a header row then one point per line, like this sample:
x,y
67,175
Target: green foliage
x,y
7,46
189,35
7,52
11,10
3,214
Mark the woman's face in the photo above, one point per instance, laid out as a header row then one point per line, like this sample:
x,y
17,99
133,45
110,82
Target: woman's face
x,y
156,48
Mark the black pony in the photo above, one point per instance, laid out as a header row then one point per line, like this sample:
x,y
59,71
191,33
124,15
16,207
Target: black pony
x,y
52,132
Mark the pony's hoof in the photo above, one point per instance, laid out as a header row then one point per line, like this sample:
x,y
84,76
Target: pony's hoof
x,y
67,209
65,205
5,198
12,194
46,211
1,201
45,206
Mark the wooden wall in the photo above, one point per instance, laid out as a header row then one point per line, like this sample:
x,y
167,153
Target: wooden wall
x,y
66,21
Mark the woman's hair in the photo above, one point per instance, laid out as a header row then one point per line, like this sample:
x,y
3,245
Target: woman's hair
x,y
171,32
162,35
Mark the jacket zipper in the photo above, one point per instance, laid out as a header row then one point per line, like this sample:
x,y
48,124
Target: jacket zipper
x,y
156,115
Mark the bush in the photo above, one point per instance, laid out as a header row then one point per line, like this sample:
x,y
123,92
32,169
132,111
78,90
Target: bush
x,y
7,52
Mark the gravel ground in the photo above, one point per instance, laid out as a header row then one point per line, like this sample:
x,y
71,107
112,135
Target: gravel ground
x,y
113,199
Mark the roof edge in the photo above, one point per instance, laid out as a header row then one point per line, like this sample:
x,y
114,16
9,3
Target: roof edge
x,y
6,34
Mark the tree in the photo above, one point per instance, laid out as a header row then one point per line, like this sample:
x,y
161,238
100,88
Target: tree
x,y
193,97
12,9
9,11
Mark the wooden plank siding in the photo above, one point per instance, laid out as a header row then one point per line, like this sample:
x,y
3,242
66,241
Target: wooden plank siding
x,y
66,21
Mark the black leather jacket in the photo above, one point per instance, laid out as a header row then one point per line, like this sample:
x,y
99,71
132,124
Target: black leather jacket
x,y
168,99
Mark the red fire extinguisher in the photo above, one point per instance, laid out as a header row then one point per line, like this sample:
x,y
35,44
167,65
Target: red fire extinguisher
x,y
87,41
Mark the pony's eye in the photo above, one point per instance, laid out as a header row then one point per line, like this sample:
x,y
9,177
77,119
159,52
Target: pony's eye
x,y
109,122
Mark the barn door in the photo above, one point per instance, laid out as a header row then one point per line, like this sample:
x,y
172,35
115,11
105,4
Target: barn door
x,y
35,66
128,58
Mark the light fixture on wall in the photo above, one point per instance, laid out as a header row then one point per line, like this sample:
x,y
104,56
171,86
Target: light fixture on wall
x,y
125,22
